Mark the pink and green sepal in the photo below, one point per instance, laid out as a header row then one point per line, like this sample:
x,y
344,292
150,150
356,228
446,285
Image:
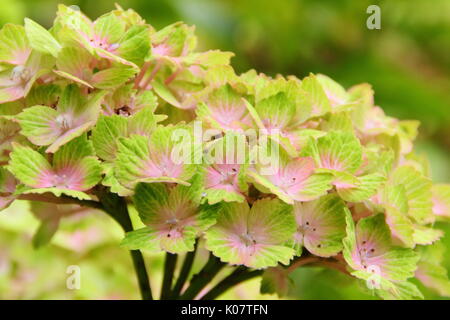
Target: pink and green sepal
x,y
74,115
173,216
73,170
320,225
160,157
255,237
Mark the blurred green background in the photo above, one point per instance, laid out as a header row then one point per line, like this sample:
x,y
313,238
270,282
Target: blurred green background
x,y
407,62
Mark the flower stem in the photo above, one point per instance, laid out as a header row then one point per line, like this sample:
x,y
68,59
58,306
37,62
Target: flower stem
x,y
184,273
169,268
238,276
117,208
203,278
142,276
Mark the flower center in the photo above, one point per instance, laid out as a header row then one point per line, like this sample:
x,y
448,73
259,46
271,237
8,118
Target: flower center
x,y
64,122
20,74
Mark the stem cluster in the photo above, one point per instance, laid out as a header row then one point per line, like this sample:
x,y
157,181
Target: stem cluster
x,y
172,288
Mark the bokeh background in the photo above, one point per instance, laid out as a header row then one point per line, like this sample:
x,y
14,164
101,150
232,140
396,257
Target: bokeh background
x,y
407,62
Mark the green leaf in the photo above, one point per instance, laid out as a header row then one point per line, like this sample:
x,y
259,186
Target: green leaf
x,y
112,77
417,190
36,123
40,39
366,187
134,46
338,150
14,47
111,181
160,158
276,111
314,96
109,27
426,235
73,64
7,188
400,291
27,165
106,133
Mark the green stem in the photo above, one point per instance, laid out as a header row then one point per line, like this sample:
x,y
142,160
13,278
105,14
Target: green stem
x,y
142,276
169,268
184,273
203,278
116,207
238,276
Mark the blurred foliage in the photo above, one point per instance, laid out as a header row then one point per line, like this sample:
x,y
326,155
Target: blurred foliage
x,y
407,62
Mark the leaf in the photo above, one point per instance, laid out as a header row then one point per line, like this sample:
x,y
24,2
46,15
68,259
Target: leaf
x,y
294,180
105,134
366,187
338,150
14,47
401,291
225,176
164,93
111,181
109,28
46,95
73,64
37,124
112,77
252,237
276,112
58,192
209,58
173,217
74,115
396,211
160,158
314,97
7,188
418,192
74,169
142,122
134,46
40,39
224,109
320,225
76,162
29,166
426,235
335,93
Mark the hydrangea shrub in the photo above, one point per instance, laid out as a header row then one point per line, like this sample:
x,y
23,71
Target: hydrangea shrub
x,y
268,174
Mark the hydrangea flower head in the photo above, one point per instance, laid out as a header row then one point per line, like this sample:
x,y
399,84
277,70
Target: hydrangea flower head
x,y
265,173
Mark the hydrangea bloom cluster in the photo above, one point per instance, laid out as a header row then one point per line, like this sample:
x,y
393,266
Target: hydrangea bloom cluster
x,y
89,106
